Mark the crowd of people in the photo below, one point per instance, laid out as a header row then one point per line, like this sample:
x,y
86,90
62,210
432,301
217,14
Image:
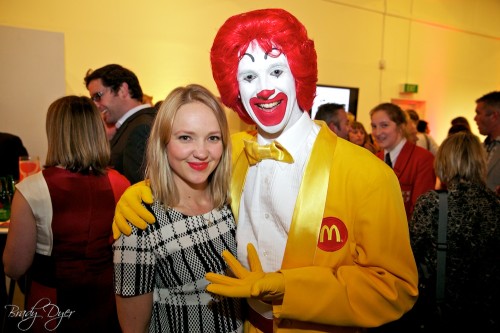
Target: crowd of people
x,y
303,225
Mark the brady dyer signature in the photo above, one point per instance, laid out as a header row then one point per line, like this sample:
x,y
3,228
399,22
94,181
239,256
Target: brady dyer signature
x,y
46,312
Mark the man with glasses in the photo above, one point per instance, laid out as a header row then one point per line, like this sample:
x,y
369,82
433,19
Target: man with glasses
x,y
118,95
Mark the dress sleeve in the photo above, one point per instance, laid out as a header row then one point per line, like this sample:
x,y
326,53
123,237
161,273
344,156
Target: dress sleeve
x,y
423,227
118,183
36,192
134,264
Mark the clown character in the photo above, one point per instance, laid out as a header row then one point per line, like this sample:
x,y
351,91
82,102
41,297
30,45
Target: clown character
x,y
323,244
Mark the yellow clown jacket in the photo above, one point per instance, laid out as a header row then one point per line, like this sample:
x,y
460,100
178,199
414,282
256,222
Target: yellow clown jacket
x,y
348,263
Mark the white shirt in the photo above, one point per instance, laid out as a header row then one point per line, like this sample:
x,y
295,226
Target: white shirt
x,y
427,142
129,113
35,190
395,152
269,196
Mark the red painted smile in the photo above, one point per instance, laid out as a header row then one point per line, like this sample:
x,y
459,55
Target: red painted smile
x,y
270,112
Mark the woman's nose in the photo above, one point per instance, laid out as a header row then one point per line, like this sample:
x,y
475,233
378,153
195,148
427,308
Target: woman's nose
x,y
200,151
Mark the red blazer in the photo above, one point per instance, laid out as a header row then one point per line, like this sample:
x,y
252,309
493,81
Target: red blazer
x,y
415,171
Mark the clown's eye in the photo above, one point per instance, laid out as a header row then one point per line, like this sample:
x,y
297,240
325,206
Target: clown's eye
x,y
277,72
249,77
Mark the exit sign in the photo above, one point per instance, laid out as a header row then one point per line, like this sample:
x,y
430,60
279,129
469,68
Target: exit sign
x,y
409,88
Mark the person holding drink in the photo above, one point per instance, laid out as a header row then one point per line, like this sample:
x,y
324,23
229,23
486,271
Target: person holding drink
x,y
28,165
61,224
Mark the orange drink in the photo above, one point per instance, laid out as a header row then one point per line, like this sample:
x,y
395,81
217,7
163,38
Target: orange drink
x,y
28,165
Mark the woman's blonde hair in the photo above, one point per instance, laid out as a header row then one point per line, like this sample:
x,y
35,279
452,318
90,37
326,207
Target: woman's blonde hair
x,y
76,136
461,157
158,169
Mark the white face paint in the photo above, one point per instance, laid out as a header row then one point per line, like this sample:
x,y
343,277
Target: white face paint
x,y
267,90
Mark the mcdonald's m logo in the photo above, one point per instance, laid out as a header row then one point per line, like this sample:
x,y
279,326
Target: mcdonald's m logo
x,y
332,235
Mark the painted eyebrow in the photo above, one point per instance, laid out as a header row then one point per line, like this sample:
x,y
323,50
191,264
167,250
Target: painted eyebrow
x,y
273,49
265,55
251,56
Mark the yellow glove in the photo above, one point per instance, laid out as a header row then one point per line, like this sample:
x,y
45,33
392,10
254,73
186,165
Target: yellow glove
x,y
130,209
247,284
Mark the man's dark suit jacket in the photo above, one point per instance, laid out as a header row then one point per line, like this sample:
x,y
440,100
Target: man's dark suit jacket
x,y
11,147
128,145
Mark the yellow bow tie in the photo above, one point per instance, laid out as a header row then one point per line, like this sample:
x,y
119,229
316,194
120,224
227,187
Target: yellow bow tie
x,y
275,151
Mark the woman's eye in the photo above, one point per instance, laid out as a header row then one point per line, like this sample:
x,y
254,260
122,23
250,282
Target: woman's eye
x,y
214,138
184,137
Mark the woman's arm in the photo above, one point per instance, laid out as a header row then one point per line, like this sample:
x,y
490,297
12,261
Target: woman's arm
x,y
134,312
21,239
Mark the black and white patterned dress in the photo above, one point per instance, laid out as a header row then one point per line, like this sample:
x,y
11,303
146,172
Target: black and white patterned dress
x,y
170,259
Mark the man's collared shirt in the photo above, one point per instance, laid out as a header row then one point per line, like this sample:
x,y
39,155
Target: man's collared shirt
x,y
395,152
269,196
129,113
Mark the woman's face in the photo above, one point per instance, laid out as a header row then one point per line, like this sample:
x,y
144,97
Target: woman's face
x,y
357,136
385,131
195,147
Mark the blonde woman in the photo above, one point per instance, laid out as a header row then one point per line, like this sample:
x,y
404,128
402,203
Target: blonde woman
x,y
472,280
160,272
358,136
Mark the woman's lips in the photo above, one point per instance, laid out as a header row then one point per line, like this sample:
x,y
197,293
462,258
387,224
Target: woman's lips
x,y
198,165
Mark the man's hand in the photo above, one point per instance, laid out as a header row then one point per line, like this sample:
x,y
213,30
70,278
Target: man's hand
x,y
130,209
247,284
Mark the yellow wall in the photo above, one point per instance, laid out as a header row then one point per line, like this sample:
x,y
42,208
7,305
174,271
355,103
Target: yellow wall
x,y
451,48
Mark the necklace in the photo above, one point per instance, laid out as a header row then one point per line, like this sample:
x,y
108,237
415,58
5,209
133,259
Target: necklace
x,y
209,218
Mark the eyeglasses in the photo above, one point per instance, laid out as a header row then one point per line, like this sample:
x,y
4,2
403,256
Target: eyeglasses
x,y
97,96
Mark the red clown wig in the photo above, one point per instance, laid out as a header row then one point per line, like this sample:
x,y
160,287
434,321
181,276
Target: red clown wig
x,y
271,29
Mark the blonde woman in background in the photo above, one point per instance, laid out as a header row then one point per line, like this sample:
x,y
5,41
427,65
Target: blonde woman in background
x,y
472,280
358,136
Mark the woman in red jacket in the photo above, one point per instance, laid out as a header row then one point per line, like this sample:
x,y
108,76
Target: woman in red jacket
x,y
413,165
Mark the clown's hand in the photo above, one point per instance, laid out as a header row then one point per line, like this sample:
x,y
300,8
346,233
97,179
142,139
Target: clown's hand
x,y
247,284
129,209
